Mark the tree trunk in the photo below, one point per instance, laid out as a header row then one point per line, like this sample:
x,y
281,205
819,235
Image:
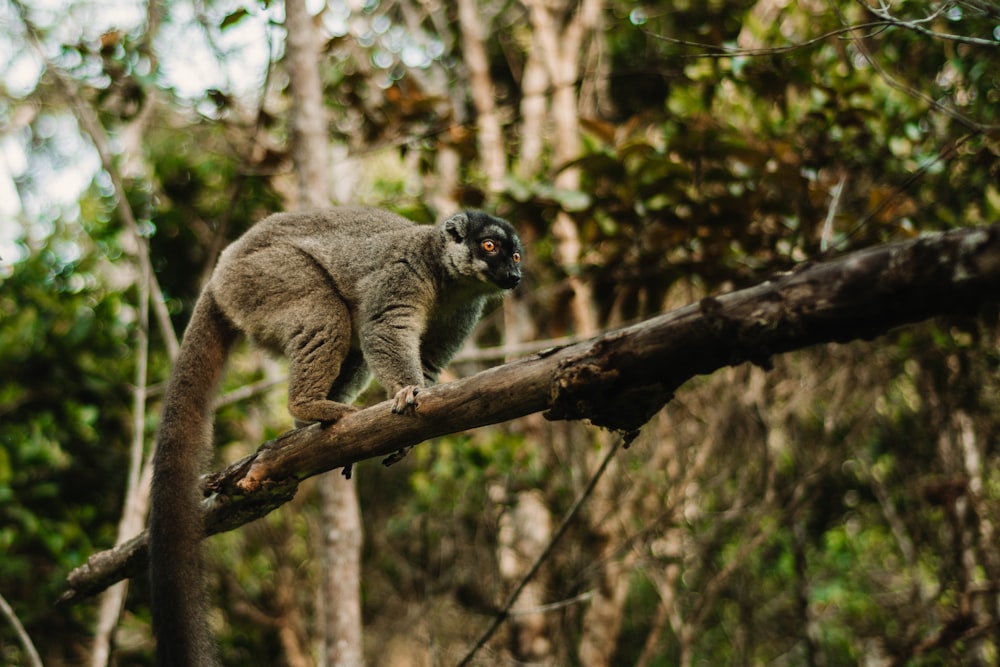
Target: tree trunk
x,y
534,109
340,514
561,51
342,541
602,620
308,115
525,530
492,154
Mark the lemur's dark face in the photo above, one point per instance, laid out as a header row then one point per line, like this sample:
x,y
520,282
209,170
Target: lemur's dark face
x,y
493,248
495,243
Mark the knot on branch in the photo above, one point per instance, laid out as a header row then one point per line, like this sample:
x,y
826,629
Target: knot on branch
x,y
596,386
267,497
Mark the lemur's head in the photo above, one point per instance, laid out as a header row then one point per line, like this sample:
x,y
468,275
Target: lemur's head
x,y
484,247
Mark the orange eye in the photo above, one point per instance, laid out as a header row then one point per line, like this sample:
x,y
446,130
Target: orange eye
x,y
488,245
516,257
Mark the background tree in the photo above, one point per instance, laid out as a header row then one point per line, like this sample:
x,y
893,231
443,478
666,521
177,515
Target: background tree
x,y
838,508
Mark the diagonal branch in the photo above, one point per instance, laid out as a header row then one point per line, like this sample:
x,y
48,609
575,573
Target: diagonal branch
x,y
620,379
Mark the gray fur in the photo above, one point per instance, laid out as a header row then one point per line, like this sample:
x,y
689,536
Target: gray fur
x,y
343,293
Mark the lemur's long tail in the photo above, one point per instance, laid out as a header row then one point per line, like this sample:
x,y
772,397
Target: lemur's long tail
x,y
176,525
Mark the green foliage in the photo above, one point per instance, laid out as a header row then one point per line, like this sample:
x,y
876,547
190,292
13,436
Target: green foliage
x,y
726,169
65,365
205,197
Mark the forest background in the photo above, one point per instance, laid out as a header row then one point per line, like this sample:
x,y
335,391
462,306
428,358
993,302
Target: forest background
x,y
837,507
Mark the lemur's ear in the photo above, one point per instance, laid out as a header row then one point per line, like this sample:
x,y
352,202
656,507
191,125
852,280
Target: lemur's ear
x,y
457,226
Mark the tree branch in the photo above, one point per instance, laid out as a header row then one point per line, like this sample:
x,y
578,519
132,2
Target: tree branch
x,y
916,25
620,379
29,647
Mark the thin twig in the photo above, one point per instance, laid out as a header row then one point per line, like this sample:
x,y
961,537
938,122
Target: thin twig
x,y
826,237
517,349
955,115
720,51
944,154
883,13
554,606
505,611
29,648
248,391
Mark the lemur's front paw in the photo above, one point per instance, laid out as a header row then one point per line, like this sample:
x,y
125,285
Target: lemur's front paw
x,y
405,400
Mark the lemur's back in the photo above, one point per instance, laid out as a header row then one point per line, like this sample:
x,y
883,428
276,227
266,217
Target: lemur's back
x,y
347,222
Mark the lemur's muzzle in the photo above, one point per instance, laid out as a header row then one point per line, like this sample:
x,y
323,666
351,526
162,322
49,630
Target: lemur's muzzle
x,y
509,279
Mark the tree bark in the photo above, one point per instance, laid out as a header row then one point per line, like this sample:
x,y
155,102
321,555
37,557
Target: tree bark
x,y
308,114
619,379
525,530
490,135
560,28
534,108
561,51
341,543
340,512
